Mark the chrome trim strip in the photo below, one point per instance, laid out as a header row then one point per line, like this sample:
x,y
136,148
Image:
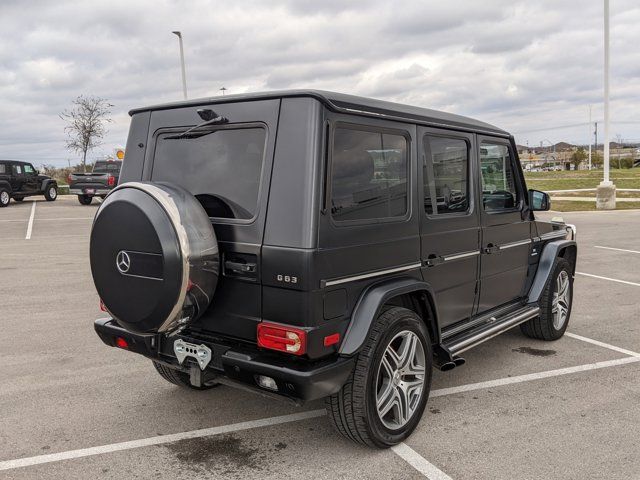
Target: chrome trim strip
x,y
457,256
515,244
329,283
554,234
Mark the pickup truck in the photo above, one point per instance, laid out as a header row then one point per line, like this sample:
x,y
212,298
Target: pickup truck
x,y
98,183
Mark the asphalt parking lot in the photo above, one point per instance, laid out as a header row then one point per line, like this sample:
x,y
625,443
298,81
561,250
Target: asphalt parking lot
x,y
71,407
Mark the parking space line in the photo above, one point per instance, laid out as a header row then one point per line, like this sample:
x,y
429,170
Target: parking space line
x,y
30,224
402,450
608,278
158,440
533,376
617,249
602,344
418,462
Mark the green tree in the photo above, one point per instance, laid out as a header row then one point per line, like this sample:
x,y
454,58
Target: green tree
x,y
578,157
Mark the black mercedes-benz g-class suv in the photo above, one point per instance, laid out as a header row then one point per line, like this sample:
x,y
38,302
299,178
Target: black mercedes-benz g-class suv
x,y
19,180
308,244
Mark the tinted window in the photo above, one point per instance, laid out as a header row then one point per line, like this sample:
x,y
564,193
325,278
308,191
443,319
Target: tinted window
x,y
3,168
369,175
446,168
222,169
17,169
499,190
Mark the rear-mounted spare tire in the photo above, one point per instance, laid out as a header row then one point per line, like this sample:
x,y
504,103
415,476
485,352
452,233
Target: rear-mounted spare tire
x,y
154,257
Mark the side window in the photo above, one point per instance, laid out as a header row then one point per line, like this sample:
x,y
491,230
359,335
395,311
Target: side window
x,y
446,175
499,191
368,175
28,169
3,168
17,169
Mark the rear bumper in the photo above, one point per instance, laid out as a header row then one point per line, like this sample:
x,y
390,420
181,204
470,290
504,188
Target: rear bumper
x,y
239,366
77,190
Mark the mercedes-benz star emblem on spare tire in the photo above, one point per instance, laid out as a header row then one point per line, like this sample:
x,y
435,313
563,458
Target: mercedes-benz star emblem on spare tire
x,y
123,262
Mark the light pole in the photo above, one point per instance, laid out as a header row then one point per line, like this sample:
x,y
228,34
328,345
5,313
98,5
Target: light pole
x,y
589,138
184,75
606,192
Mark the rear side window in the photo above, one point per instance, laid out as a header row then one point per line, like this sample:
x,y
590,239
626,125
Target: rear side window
x,y
3,168
106,167
221,168
499,191
17,169
368,175
446,166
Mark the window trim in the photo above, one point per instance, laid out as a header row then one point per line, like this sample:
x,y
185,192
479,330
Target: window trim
x,y
516,176
215,128
329,192
470,191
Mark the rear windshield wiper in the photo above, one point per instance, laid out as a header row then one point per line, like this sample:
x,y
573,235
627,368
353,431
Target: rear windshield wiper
x,y
210,118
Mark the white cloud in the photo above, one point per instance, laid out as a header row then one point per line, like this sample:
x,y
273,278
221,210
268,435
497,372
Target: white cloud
x,y
519,64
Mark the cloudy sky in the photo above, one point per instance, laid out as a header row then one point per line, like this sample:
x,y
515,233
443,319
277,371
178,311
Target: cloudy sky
x,y
531,67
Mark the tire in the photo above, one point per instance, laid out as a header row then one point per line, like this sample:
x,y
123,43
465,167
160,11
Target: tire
x,y
353,410
178,378
51,193
85,199
18,199
5,197
551,324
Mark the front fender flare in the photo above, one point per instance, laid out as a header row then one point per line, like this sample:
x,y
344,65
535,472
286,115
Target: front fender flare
x,y
45,184
371,302
548,257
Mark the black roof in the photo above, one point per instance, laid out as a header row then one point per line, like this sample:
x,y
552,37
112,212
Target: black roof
x,y
21,162
348,104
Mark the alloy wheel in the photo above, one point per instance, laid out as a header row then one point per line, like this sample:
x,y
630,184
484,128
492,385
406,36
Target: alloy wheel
x,y
400,380
4,198
561,300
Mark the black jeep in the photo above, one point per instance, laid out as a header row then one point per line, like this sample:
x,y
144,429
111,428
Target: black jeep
x,y
308,244
19,180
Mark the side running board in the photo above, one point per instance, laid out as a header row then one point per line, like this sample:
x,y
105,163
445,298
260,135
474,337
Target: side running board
x,y
493,327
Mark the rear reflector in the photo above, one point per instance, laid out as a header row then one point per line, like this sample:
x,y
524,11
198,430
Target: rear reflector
x,y
331,339
111,180
121,343
282,338
102,307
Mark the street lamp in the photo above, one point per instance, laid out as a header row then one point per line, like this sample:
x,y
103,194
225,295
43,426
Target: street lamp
x,y
606,192
184,75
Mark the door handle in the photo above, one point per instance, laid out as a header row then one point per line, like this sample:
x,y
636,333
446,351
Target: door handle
x,y
238,267
491,248
433,260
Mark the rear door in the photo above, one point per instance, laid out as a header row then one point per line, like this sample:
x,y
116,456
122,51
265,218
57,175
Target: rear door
x,y
506,230
17,178
450,222
227,167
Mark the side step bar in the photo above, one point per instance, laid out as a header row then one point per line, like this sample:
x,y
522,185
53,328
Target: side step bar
x,y
495,326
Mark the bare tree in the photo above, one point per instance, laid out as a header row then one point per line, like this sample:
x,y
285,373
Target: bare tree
x,y
86,124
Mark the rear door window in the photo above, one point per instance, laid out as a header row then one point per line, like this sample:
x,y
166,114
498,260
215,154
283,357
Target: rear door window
x,y
106,167
446,166
222,168
3,168
368,175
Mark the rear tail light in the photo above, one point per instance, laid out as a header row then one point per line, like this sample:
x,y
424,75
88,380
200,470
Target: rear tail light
x,y
282,338
111,180
69,178
122,343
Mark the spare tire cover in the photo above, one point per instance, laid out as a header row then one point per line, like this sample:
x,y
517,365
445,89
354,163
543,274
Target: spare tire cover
x,y
154,256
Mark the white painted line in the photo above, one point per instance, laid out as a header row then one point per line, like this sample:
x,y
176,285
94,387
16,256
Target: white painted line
x,y
610,279
602,344
418,462
159,440
30,224
617,249
532,376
